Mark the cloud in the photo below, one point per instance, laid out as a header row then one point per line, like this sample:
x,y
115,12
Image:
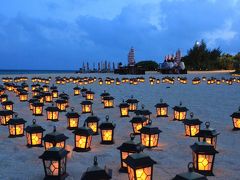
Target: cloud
x,y
47,34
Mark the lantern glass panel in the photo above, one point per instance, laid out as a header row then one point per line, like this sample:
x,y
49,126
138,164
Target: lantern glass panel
x,y
93,126
236,122
86,108
107,135
90,96
132,107
16,129
149,140
8,107
108,103
179,115
52,115
141,174
124,111
191,130
5,119
48,145
73,122
212,140
37,109
83,141
34,139
162,111
55,94
76,91
48,98
138,126
124,156
203,162
52,168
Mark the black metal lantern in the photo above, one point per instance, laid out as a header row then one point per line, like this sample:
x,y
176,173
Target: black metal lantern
x,y
104,94
180,112
5,116
89,95
144,112
31,101
208,134
107,131
137,123
86,107
61,104
190,175
55,163
133,104
7,105
72,119
97,173
45,88
108,102
203,157
140,166
124,109
192,126
83,92
37,108
162,109
54,93
76,91
52,113
23,96
82,139
16,127
236,120
92,122
149,135
48,97
34,135
128,148
54,139
3,98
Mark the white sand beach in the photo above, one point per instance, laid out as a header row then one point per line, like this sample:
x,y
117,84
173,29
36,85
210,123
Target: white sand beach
x,y
213,103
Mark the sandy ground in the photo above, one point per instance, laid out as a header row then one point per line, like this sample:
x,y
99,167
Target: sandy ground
x,y
214,103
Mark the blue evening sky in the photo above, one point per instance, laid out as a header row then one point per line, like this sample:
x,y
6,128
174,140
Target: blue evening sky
x,y
61,34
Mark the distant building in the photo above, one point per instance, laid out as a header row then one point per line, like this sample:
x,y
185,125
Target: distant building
x,y
173,64
131,57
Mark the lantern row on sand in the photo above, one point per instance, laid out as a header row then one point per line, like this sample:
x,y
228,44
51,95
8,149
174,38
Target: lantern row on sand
x,y
137,164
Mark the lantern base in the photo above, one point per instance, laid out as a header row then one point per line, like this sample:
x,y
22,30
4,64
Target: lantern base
x,y
15,136
236,129
205,173
178,119
81,149
123,170
72,128
48,101
4,124
162,115
95,134
86,112
53,120
108,107
37,114
107,142
30,146
124,116
56,177
62,110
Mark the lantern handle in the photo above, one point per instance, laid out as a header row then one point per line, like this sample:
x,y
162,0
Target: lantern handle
x,y
180,103
52,104
54,128
92,113
149,122
16,114
122,100
191,115
72,109
131,96
161,100
84,124
207,124
190,167
132,136
95,161
142,106
239,108
34,121
107,118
